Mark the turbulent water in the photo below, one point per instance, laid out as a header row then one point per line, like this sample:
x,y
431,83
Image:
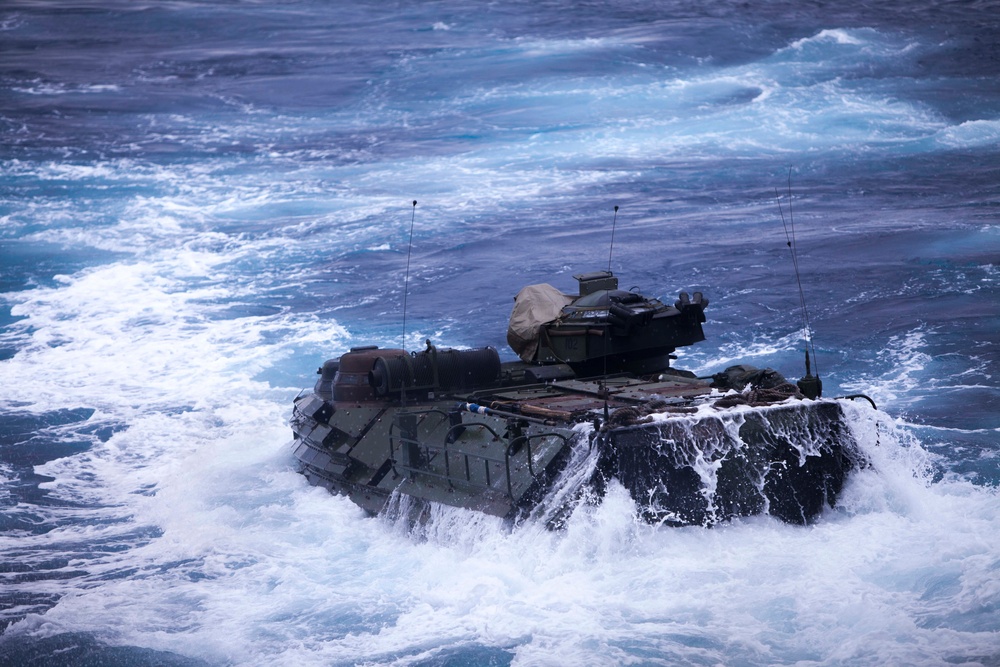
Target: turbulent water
x,y
200,202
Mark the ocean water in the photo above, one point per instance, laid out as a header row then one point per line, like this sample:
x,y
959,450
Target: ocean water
x,y
202,201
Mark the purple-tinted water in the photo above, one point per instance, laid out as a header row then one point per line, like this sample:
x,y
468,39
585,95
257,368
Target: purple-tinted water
x,y
200,202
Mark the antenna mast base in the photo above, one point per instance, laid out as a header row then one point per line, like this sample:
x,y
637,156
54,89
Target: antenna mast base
x,y
810,386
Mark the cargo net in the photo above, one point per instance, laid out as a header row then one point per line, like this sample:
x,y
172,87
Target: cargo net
x,y
639,414
757,386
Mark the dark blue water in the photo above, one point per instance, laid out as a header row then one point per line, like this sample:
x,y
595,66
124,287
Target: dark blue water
x,y
200,202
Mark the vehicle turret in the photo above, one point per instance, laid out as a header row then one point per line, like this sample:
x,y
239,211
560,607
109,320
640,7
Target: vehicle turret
x,y
602,329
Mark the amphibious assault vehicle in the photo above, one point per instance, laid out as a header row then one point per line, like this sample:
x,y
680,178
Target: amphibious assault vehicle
x,y
592,400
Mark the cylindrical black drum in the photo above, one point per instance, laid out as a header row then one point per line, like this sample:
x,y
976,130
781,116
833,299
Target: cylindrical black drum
x,y
435,370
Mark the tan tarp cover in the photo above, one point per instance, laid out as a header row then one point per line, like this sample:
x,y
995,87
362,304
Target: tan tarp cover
x,y
534,306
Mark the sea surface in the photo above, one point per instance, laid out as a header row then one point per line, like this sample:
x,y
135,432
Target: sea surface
x,y
200,202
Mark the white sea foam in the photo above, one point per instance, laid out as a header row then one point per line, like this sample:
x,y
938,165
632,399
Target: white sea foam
x,y
970,133
899,377
830,36
49,88
253,565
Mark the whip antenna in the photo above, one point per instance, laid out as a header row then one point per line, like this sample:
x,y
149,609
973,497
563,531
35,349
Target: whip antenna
x,y
612,248
810,385
406,280
607,332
